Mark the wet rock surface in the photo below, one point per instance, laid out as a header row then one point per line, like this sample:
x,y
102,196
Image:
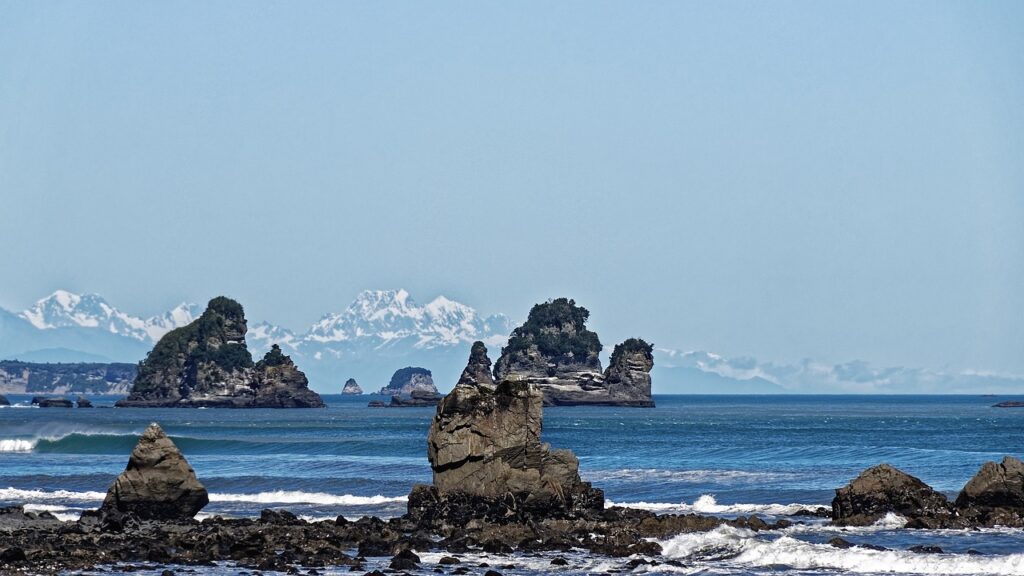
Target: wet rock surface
x,y
995,495
207,364
158,483
883,489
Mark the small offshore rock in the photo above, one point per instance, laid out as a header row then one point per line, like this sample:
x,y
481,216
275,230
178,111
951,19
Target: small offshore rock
x,y
351,387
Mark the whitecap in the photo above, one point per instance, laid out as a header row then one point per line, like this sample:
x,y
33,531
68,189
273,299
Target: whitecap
x,y
297,497
17,445
743,548
17,494
707,504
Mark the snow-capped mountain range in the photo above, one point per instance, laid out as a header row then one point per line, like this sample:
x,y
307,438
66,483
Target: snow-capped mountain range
x,y
379,329
384,330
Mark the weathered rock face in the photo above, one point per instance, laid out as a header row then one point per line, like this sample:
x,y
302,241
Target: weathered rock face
x,y
418,399
995,495
478,369
407,379
207,364
158,483
883,489
351,387
484,448
556,352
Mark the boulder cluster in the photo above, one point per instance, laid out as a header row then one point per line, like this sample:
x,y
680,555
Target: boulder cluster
x,y
207,364
993,497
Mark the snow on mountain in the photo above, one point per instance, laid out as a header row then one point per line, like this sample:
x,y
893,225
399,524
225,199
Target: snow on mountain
x,y
383,317
262,335
64,309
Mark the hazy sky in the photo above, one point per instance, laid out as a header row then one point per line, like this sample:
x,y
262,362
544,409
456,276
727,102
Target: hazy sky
x,y
786,180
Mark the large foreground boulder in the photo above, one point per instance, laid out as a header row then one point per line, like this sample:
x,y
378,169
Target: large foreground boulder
x,y
207,364
882,489
488,460
995,495
158,483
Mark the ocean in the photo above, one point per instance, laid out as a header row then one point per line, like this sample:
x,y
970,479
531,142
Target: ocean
x,y
721,455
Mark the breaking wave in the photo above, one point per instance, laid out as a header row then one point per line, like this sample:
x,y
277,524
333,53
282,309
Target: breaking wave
x,y
276,497
741,547
707,504
297,497
17,445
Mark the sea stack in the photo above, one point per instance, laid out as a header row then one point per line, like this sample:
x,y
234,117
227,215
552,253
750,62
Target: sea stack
x,y
207,364
407,379
4,401
487,458
158,483
351,387
554,351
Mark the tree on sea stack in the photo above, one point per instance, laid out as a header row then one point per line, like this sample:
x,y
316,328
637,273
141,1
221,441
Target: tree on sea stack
x,y
158,484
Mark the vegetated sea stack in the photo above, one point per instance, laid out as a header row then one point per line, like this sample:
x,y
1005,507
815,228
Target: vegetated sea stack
x,y
487,458
554,351
158,483
207,364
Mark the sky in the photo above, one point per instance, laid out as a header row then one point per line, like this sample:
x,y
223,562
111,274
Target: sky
x,y
785,180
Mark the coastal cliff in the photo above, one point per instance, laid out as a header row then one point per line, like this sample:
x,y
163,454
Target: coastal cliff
x,y
555,351
71,378
207,364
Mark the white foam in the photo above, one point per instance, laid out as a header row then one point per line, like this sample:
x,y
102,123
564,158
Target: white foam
x,y
685,476
17,445
31,495
742,547
297,497
707,504
62,513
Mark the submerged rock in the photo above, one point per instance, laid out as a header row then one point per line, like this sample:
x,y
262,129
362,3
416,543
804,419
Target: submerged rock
x,y
1009,404
351,387
207,364
555,351
882,489
54,403
158,483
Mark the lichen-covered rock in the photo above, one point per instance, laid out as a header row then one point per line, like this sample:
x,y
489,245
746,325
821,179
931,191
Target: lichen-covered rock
x,y
405,380
555,351
207,364
882,489
478,369
158,483
485,452
351,387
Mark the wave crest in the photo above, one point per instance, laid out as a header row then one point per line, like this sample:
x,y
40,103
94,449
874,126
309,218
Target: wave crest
x,y
707,504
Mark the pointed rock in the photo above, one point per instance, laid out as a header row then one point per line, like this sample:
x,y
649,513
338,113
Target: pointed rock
x,y
158,483
478,370
882,489
352,387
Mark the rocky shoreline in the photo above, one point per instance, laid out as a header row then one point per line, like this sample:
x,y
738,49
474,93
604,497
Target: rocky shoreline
x,y
496,488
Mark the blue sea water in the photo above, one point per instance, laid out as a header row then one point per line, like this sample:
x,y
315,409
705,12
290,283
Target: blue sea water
x,y
724,455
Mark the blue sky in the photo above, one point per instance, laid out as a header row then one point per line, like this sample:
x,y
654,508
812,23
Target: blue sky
x,y
840,180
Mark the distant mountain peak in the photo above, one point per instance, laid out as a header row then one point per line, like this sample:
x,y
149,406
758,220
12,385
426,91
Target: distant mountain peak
x,y
65,309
